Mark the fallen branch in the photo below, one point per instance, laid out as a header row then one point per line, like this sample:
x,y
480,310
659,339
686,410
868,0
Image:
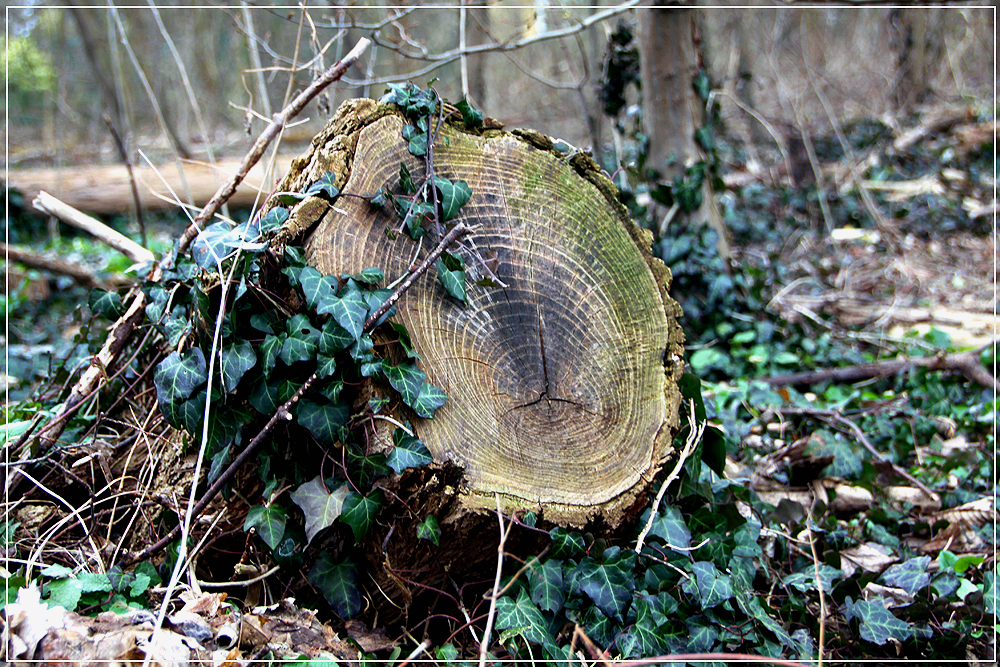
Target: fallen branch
x,y
967,363
80,274
46,203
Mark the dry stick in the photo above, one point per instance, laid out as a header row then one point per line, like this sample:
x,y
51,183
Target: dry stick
x,y
46,203
284,412
334,73
35,260
966,363
484,644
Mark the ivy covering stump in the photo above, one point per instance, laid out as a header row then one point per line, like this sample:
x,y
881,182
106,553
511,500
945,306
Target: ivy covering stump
x,y
560,373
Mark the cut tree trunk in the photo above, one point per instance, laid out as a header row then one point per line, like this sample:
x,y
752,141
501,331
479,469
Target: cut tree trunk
x,y
562,384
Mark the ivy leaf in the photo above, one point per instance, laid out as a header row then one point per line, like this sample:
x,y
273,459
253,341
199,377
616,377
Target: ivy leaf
x,y
408,452
244,237
454,195
325,365
269,522
266,397
324,186
878,625
669,526
338,582
701,636
847,461
364,469
274,219
522,616
302,341
713,587
405,378
237,359
404,340
911,575
451,273
474,118
106,304
989,592
209,247
547,587
316,287
178,375
406,181
348,309
333,338
416,139
269,351
429,529
324,421
359,511
566,544
608,582
805,579
370,276
319,506
429,400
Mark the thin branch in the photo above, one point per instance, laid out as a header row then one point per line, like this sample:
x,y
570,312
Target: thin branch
x,y
123,153
79,273
48,204
484,645
334,73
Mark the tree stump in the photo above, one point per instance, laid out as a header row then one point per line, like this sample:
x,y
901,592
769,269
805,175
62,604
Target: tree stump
x,y
562,394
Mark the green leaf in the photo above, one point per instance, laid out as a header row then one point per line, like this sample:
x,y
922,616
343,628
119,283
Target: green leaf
x,y
369,276
430,529
316,287
566,544
324,421
408,452
359,511
237,359
701,636
269,351
364,469
325,366
209,247
177,376
302,341
470,116
275,218
649,618
57,571
333,338
338,582
320,506
878,625
406,181
404,340
105,304
218,462
548,590
990,592
349,309
713,587
416,139
608,582
429,400
63,593
324,186
911,575
405,378
269,522
451,273
805,579
522,616
453,196
847,461
266,397
669,526
244,237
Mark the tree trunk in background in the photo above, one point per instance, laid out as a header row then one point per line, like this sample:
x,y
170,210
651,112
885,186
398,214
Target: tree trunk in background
x,y
669,59
918,52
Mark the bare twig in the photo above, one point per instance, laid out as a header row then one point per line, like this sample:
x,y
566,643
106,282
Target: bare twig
x,y
123,153
484,645
694,437
46,203
334,73
80,274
